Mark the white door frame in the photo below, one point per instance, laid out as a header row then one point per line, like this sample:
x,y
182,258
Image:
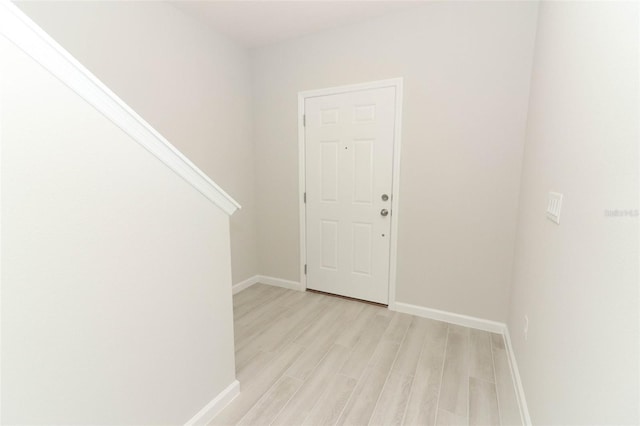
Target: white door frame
x,y
302,96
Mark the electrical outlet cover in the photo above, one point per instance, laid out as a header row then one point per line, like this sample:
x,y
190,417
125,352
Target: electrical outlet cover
x,y
554,206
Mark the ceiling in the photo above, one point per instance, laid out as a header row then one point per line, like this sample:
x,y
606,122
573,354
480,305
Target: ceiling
x,y
259,23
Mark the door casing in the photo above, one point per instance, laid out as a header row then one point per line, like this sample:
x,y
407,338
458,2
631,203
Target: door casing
x,y
397,84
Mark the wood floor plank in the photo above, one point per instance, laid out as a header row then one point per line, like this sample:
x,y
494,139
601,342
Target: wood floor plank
x,y
454,389
296,321
360,407
392,404
447,418
268,407
299,315
397,328
351,335
322,340
411,346
363,350
297,296
281,331
254,294
254,390
507,400
258,324
264,311
386,313
333,312
305,399
250,294
260,311
254,366
483,403
423,403
266,295
480,357
331,403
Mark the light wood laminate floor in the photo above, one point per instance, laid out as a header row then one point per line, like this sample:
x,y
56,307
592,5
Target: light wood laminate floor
x,y
308,358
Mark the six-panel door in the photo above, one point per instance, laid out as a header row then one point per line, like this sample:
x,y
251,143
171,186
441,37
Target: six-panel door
x,y
349,161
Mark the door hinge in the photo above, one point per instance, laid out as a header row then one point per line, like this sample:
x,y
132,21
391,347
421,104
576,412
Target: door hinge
x,y
304,197
304,120
305,269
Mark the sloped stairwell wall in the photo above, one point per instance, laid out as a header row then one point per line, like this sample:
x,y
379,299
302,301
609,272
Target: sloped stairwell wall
x,y
189,83
115,272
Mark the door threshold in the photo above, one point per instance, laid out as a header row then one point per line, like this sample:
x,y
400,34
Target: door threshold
x,y
348,298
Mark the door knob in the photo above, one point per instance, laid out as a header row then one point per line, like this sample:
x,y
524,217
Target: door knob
x,y
384,212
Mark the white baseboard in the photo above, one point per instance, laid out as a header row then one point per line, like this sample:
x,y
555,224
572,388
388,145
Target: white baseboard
x,y
517,382
243,285
279,282
263,279
216,405
450,317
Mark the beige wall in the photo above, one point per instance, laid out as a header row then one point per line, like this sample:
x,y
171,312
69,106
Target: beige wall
x,y
116,299
578,281
466,69
190,84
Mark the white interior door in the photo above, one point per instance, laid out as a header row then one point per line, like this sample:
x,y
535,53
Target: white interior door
x,y
349,170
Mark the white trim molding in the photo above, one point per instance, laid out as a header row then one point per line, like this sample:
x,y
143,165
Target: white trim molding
x,y
1,257
27,36
450,317
216,405
262,279
302,189
397,83
517,382
279,282
243,285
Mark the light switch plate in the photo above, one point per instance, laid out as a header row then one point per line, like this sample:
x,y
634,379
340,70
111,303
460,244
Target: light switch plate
x,y
554,206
